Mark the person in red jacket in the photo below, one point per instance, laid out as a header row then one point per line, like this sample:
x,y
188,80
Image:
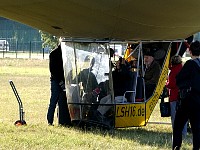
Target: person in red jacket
x,y
175,67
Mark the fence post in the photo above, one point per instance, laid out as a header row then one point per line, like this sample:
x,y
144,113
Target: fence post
x,y
43,52
3,52
16,52
30,50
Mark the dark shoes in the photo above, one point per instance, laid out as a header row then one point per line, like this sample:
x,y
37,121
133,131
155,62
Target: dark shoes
x,y
50,124
176,148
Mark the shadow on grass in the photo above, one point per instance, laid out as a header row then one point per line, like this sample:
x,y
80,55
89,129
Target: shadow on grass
x,y
141,135
152,136
145,137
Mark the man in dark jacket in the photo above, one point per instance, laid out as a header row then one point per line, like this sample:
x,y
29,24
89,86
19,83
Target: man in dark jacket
x,y
86,76
188,81
152,73
57,89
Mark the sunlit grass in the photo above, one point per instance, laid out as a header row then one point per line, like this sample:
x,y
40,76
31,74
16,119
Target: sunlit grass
x,y
31,78
24,71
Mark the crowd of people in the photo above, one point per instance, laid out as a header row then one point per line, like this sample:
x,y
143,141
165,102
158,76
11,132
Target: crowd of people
x,y
122,76
182,83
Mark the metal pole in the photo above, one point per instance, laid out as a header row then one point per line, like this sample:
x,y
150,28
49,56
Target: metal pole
x,y
43,52
179,48
30,50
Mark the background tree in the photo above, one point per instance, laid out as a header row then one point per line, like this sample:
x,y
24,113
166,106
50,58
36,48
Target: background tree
x,y
49,40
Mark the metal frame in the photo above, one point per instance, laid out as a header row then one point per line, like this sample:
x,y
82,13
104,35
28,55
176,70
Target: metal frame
x,y
84,40
21,112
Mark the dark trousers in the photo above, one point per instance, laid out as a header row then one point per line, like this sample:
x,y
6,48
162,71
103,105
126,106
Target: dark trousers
x,y
149,89
183,114
63,111
58,96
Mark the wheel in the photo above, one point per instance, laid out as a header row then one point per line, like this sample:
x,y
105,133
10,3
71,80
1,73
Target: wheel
x,y
20,123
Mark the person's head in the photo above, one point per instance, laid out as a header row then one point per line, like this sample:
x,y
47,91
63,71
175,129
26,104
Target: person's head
x,y
195,48
148,57
112,52
118,63
121,62
89,60
176,59
133,63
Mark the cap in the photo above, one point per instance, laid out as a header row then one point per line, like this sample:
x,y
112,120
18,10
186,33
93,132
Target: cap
x,y
148,52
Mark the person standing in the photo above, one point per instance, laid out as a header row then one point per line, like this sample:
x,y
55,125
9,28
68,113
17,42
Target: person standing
x,y
175,67
58,95
188,81
86,76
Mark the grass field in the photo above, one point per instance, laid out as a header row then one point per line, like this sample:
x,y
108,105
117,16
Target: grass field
x,y
31,78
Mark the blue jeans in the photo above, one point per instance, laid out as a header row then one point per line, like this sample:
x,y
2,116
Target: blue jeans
x,y
173,113
56,94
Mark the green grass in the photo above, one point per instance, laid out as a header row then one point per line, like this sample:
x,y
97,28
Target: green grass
x,y
31,78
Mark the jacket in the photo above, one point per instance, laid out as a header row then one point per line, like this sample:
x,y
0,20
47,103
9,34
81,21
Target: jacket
x,y
88,79
171,82
121,80
56,64
189,76
152,73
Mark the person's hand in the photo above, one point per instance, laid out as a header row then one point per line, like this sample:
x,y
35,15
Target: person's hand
x,y
62,85
96,91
